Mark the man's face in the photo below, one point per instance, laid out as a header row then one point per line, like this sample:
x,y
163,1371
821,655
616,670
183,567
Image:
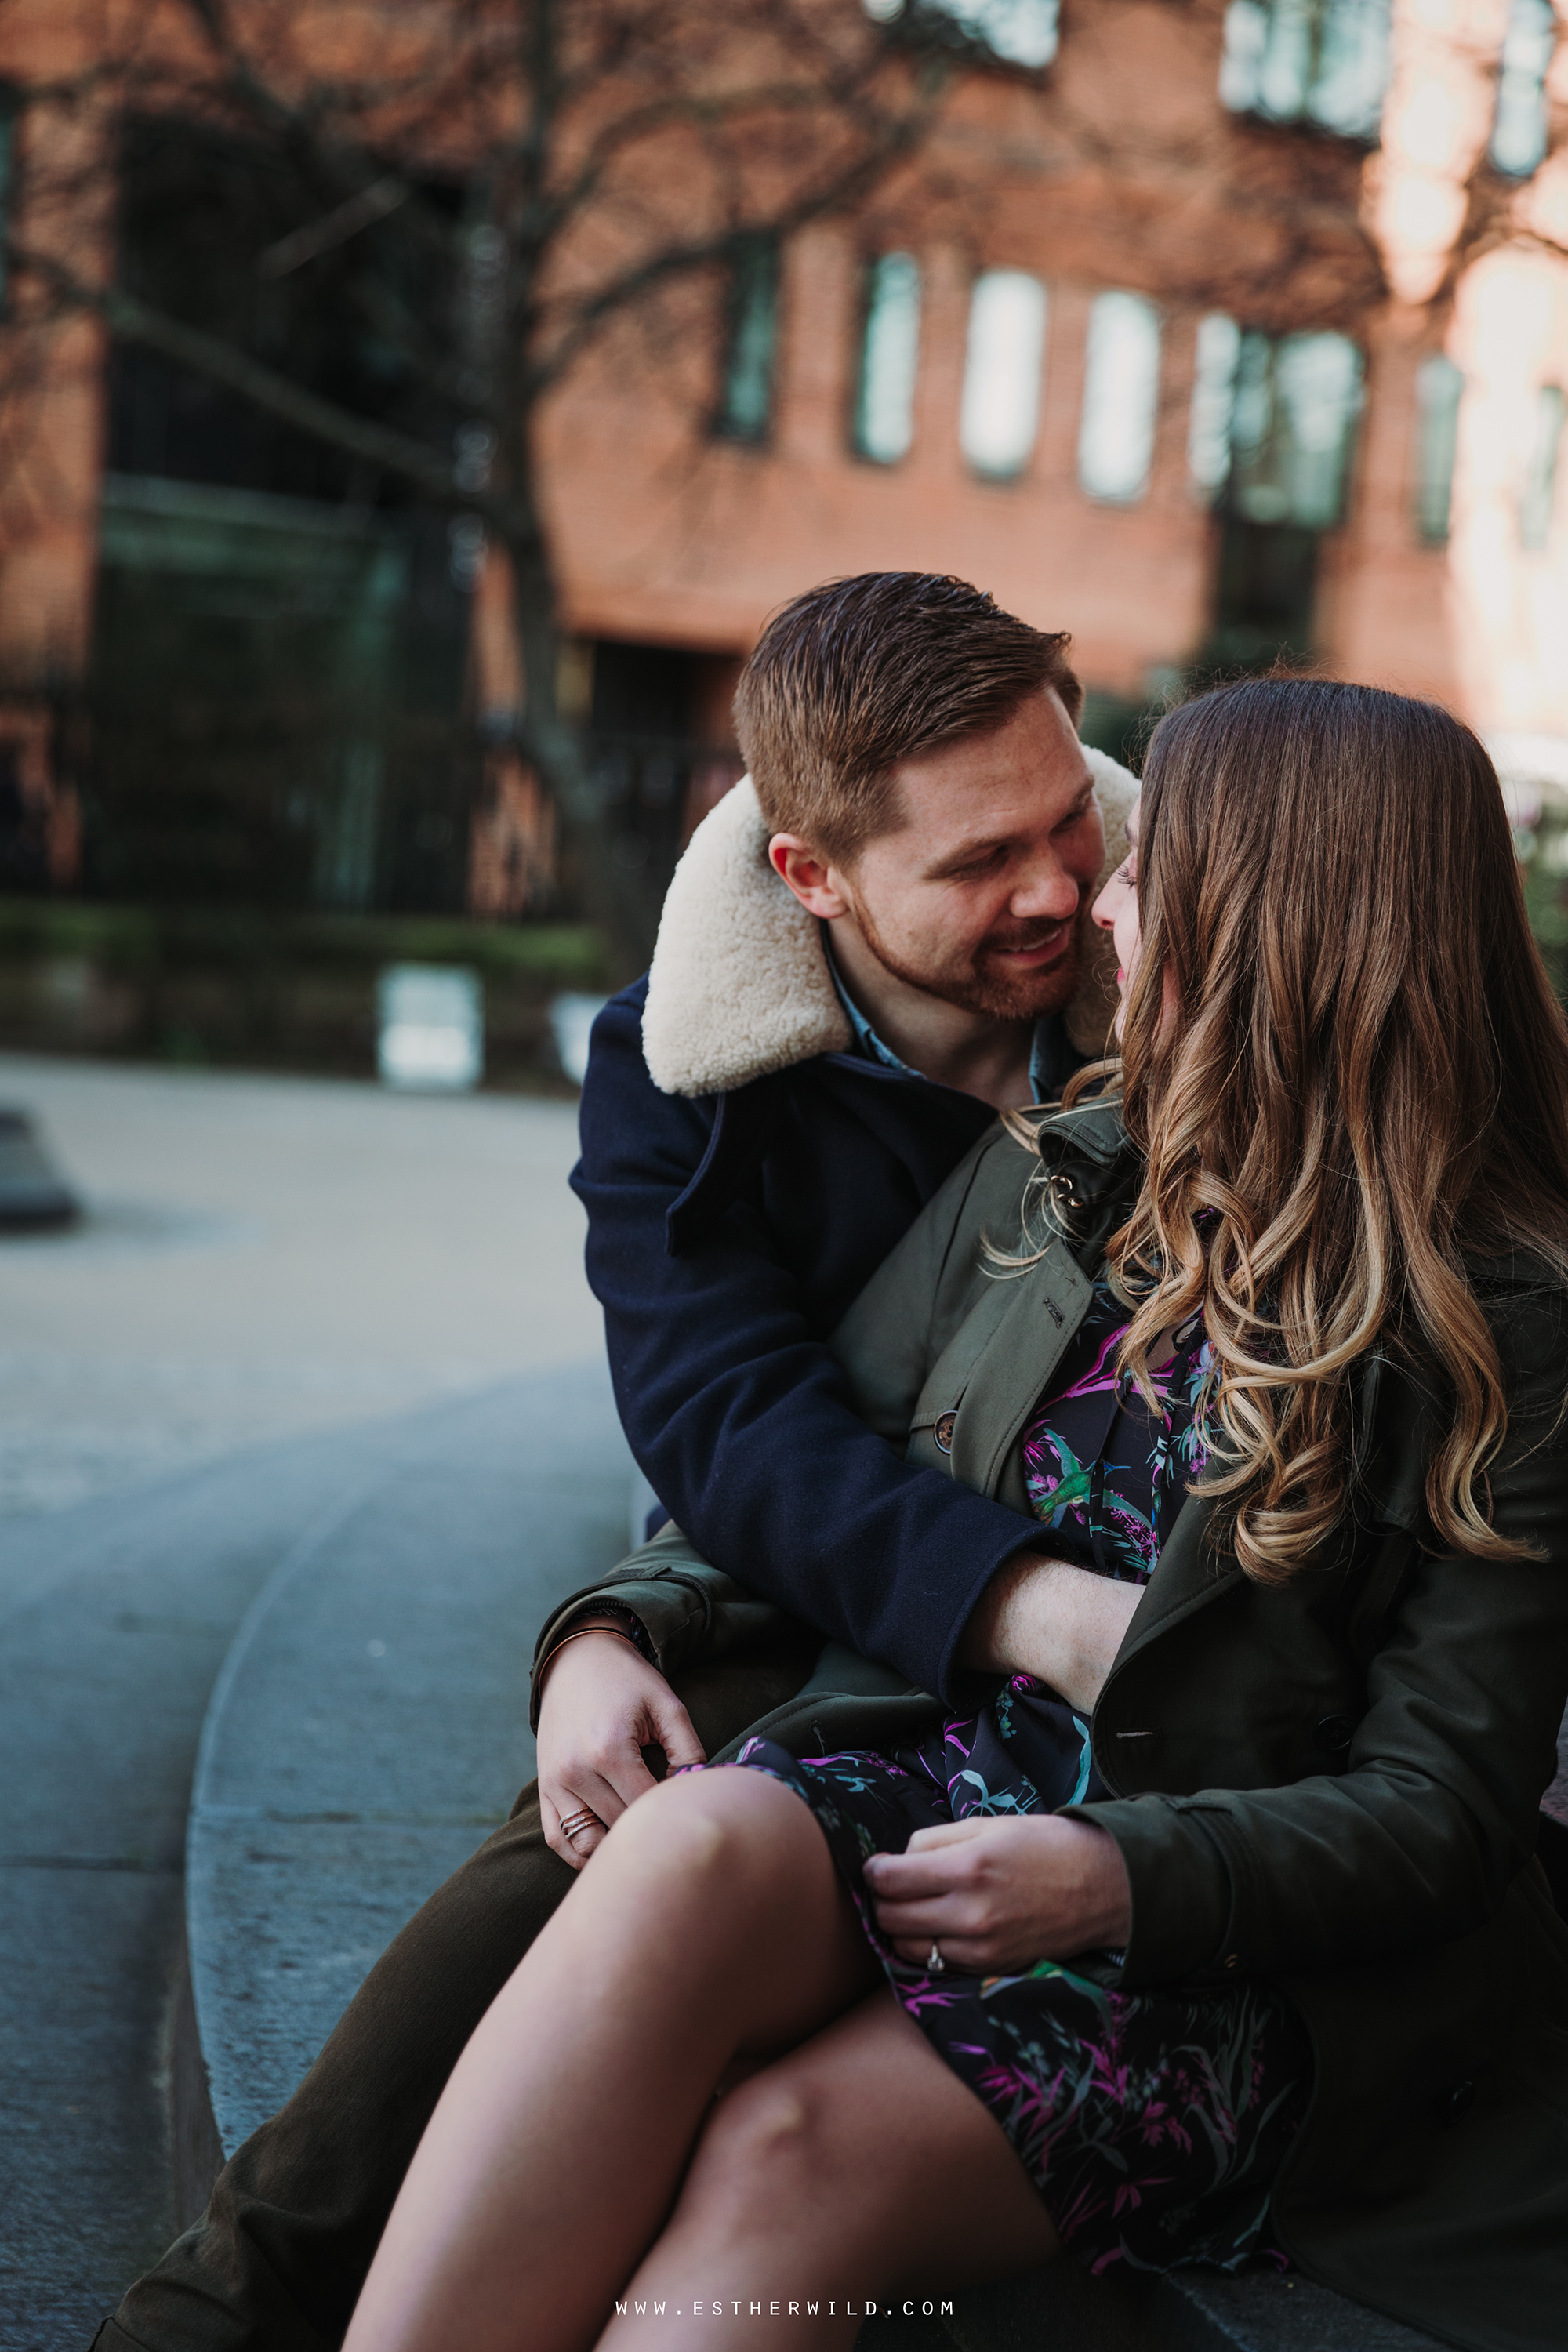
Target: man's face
x,y
976,899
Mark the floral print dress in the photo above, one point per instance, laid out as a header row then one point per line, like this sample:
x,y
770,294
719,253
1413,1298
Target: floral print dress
x,y
1152,2123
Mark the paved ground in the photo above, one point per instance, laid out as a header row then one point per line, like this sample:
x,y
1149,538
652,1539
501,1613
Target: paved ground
x,y
286,1296
283,1287
266,1257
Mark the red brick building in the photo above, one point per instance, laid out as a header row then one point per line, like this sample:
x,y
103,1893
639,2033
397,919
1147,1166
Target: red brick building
x,y
1197,330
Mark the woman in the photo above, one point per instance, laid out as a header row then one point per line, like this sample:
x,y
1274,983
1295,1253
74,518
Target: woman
x,y
1264,1966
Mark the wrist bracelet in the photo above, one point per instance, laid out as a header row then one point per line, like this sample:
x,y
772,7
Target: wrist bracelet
x,y
575,1635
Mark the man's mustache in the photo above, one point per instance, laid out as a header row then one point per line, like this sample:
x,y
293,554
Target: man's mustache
x,y
1019,937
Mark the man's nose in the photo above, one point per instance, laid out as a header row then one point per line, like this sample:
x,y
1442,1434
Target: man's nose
x,y
1046,892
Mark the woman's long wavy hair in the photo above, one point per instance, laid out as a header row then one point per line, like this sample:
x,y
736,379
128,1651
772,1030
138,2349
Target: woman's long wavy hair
x,y
1346,1068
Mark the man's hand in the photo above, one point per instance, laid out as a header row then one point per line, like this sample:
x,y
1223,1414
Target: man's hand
x,y
1001,1893
1043,1617
602,1705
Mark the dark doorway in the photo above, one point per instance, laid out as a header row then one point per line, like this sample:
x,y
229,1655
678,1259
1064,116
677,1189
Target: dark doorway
x,y
24,842
281,633
202,219
1267,578
659,744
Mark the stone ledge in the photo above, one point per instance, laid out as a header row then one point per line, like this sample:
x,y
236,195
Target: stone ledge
x,y
367,1732
369,1727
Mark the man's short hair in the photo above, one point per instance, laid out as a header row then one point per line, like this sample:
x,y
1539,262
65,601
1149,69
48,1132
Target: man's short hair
x,y
857,675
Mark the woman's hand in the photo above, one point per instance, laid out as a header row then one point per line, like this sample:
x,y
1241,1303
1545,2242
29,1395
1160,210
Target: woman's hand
x,y
999,1895
603,1703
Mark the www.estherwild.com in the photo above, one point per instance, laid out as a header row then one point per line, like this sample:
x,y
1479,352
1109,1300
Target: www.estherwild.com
x,y
782,2307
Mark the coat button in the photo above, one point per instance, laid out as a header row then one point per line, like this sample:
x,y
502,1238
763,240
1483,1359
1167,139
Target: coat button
x,y
942,1432
1334,1735
1456,2104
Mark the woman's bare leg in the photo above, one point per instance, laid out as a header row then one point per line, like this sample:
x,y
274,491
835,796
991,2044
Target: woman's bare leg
x,y
859,2165
710,1923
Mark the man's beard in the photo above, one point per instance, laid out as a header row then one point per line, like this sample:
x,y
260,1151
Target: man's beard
x,y
975,986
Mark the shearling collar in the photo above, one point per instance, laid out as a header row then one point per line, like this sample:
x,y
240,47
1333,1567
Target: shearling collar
x,y
739,984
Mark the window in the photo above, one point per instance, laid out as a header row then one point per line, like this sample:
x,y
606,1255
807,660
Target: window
x,y
1439,389
1540,489
1020,31
1518,125
1322,61
884,408
1121,394
1268,443
1214,400
1274,423
1002,373
746,403
10,106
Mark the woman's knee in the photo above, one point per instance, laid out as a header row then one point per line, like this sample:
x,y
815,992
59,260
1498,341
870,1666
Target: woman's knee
x,y
769,2144
727,1832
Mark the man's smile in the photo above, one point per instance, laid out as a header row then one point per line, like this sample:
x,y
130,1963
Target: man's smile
x,y
1035,953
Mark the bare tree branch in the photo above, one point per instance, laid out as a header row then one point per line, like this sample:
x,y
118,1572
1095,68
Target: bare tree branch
x,y
223,362
532,175
589,313
345,220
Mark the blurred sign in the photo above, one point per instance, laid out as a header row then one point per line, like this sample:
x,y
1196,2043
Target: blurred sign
x,y
572,1016
431,1026
32,1195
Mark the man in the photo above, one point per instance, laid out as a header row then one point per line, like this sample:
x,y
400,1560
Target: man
x,y
859,964
794,1079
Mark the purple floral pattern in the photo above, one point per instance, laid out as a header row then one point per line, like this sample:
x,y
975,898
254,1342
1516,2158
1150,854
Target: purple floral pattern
x,y
1152,2123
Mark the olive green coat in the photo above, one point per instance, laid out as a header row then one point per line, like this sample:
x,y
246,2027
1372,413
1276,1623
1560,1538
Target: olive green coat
x,y
1335,1784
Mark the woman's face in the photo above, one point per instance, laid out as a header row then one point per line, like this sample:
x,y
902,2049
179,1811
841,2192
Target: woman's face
x,y
1116,911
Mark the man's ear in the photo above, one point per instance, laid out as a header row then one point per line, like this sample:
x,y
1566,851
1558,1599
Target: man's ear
x,y
802,870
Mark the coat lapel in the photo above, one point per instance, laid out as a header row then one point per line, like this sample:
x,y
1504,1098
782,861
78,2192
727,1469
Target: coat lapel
x,y
1009,1376
1187,1575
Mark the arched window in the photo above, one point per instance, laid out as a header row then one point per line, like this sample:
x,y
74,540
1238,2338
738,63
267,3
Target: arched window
x,y
1519,124
1002,371
1214,403
746,392
1439,387
1322,61
889,354
1121,396
1020,31
1273,423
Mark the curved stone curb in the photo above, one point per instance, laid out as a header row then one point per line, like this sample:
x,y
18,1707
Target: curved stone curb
x,y
369,1727
369,1730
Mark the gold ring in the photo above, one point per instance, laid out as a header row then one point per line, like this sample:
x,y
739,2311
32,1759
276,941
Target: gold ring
x,y
576,1824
